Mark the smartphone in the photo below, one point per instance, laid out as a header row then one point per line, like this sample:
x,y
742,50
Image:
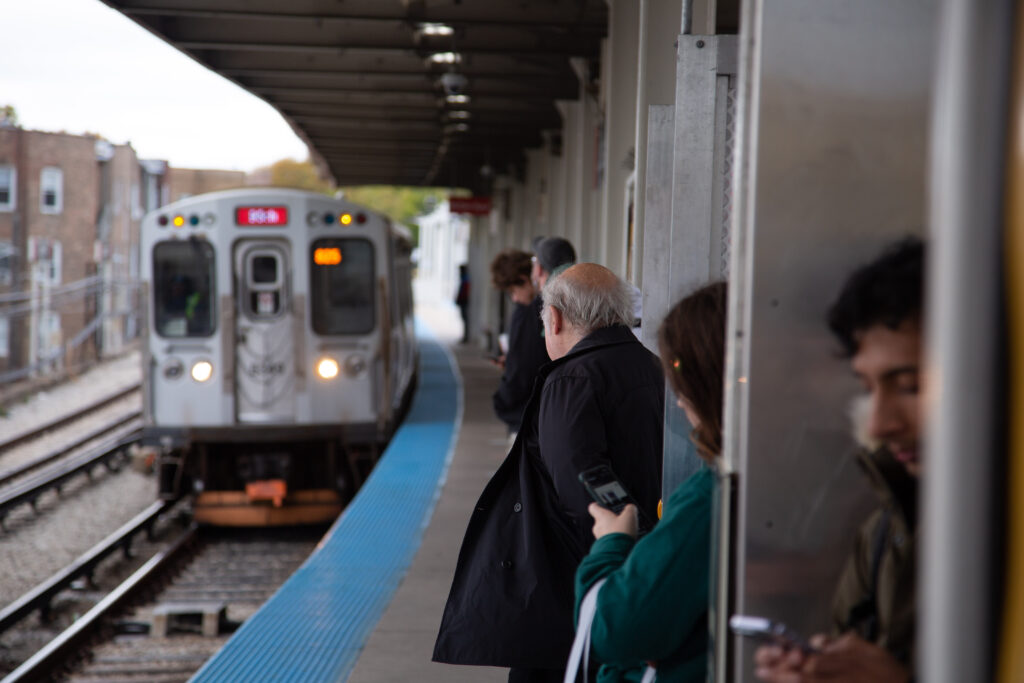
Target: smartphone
x,y
769,632
607,491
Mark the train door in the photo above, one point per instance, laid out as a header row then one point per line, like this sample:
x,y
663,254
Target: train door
x,y
264,353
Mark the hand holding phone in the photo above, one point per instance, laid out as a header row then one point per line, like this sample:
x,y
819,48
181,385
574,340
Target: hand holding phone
x,y
608,492
769,632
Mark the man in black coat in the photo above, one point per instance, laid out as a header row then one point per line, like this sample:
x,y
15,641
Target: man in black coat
x,y
599,401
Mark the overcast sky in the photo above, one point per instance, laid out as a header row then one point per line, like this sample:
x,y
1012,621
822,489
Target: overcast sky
x,y
79,66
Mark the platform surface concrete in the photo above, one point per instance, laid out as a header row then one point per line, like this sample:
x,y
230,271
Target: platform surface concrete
x,y
401,645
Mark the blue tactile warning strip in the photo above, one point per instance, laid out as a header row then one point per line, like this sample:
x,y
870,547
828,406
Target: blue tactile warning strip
x,y
315,626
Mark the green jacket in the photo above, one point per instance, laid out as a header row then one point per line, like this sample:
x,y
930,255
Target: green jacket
x,y
876,593
654,605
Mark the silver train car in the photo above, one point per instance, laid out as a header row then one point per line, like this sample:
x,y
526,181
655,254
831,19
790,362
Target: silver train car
x,y
280,351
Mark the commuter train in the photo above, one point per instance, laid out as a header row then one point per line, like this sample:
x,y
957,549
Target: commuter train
x,y
279,353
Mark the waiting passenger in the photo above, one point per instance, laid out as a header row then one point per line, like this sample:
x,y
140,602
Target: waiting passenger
x,y
510,272
462,300
599,401
551,256
652,606
877,319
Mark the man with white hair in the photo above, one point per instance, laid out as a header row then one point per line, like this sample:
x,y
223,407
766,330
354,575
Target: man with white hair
x,y
598,402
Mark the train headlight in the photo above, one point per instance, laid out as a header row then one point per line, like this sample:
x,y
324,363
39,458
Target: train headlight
x,y
327,368
355,365
202,371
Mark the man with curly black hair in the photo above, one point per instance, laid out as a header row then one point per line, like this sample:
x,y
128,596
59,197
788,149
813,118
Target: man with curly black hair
x,y
877,319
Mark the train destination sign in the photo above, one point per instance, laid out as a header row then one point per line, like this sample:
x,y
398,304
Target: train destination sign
x,y
261,215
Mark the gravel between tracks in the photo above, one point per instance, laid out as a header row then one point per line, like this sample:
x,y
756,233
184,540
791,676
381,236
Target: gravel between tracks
x,y
37,545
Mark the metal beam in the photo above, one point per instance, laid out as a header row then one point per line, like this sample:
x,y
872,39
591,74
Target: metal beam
x,y
537,16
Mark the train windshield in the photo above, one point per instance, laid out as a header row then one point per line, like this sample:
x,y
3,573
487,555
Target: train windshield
x,y
183,277
342,276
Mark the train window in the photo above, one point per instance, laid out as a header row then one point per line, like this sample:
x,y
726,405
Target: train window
x,y
183,281
342,287
264,269
264,283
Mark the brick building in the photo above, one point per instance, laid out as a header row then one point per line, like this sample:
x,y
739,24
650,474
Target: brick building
x,y
70,210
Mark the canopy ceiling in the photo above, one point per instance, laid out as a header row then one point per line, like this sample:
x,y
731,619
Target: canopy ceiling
x,y
360,80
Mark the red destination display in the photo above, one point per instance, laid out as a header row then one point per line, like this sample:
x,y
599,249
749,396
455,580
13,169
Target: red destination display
x,y
261,215
478,206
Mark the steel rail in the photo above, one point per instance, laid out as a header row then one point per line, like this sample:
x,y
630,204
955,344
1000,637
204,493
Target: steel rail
x,y
53,478
57,653
40,596
71,417
17,472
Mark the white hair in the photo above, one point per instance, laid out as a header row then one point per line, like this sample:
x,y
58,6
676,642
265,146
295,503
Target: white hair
x,y
588,308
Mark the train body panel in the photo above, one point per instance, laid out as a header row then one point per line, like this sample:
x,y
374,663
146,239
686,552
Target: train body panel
x,y
280,331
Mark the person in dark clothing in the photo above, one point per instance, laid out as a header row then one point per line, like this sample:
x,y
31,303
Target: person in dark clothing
x,y
462,300
599,401
551,255
510,272
877,320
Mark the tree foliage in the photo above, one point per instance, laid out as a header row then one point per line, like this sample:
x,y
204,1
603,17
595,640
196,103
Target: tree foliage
x,y
300,175
8,115
401,204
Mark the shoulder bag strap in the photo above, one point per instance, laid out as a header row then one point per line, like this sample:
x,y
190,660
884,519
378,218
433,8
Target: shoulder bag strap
x,y
581,645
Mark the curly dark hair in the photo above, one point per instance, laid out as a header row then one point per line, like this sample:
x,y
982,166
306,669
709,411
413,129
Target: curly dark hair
x,y
691,341
509,268
888,291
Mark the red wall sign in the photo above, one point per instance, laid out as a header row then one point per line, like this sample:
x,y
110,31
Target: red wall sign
x,y
478,206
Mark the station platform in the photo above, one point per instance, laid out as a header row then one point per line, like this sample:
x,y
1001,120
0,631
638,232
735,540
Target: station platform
x,y
402,642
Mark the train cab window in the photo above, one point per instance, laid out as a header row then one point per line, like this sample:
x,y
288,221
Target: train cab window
x,y
264,283
264,269
342,286
183,294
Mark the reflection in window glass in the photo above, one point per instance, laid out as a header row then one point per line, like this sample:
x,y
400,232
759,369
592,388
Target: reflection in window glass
x,y
183,294
343,291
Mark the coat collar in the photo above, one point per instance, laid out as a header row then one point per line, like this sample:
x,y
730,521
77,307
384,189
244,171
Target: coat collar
x,y
605,336
891,482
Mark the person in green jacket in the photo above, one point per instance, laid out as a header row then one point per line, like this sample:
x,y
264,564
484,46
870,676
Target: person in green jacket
x,y
653,607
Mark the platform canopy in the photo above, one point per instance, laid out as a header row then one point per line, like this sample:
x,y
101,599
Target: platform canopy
x,y
363,81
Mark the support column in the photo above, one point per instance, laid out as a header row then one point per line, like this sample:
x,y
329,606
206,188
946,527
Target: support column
x,y
620,112
659,27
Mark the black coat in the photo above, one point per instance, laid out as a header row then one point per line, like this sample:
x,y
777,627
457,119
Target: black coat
x,y
526,354
511,601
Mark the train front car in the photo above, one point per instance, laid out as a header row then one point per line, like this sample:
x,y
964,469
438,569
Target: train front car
x,y
279,337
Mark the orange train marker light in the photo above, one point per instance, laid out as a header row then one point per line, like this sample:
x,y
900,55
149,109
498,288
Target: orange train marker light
x,y
327,256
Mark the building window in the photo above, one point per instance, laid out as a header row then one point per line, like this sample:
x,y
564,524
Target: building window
x,y
5,336
6,263
8,187
51,190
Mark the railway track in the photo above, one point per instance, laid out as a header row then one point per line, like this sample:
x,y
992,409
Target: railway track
x,y
67,419
176,610
28,490
47,456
